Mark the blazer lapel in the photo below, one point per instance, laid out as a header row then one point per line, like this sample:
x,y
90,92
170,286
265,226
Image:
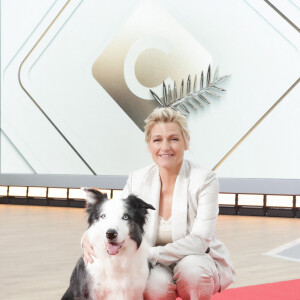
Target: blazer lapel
x,y
151,194
179,203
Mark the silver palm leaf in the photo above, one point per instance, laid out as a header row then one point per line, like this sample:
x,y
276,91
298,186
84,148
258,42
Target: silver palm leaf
x,y
191,98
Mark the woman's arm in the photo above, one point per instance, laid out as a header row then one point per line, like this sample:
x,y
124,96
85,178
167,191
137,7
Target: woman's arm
x,y
197,242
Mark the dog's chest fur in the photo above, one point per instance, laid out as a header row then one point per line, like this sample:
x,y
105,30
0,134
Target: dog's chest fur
x,y
113,277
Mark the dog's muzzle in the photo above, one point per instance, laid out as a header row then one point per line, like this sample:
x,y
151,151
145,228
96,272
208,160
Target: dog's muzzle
x,y
111,234
112,245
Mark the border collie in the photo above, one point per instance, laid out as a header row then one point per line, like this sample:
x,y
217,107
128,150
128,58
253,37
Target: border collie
x,y
120,270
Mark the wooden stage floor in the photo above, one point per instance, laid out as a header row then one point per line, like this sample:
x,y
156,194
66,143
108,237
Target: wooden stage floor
x,y
39,247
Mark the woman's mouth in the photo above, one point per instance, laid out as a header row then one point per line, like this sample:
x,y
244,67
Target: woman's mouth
x,y
165,155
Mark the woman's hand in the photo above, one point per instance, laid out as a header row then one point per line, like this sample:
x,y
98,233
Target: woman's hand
x,y
152,259
88,250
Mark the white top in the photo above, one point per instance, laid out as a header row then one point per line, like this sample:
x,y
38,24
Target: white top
x,y
164,232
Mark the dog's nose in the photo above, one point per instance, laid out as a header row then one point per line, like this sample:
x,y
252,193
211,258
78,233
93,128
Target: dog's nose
x,y
111,234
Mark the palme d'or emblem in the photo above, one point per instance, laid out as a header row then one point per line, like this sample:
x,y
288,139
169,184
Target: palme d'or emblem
x,y
189,97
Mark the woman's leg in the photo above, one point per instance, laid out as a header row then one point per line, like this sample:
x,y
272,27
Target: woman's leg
x,y
160,285
196,277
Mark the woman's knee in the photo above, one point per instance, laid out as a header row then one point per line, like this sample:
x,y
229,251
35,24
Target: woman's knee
x,y
160,285
194,267
196,275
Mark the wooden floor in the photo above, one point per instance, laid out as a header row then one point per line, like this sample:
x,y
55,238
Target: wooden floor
x,y
39,247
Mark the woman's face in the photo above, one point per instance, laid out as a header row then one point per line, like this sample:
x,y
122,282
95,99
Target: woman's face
x,y
167,146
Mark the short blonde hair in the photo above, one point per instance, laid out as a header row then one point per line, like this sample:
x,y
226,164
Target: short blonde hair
x,y
167,115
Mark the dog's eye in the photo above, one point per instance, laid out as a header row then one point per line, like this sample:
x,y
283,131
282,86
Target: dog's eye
x,y
125,217
103,216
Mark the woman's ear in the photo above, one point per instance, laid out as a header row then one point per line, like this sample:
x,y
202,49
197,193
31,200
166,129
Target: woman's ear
x,y
187,146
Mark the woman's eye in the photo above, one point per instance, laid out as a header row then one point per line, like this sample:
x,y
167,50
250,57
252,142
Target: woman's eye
x,y
174,139
103,216
125,217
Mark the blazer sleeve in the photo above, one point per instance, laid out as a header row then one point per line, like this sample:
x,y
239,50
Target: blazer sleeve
x,y
127,190
203,229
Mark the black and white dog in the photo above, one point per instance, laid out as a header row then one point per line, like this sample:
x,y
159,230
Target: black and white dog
x,y
120,270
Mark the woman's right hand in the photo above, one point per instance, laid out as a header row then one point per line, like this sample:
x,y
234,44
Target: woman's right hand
x,y
88,250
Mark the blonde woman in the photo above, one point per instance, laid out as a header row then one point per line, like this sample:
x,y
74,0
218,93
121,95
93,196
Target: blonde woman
x,y
188,261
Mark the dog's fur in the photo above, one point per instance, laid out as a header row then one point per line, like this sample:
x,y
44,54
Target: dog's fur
x,y
120,270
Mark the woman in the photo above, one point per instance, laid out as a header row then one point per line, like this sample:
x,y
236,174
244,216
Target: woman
x,y
187,259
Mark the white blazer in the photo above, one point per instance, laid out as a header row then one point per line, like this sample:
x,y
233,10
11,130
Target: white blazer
x,y
194,216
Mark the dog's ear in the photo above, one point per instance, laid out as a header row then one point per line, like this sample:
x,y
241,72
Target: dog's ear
x,y
93,196
138,210
139,203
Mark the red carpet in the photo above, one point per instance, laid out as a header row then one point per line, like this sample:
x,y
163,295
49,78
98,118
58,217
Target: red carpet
x,y
283,290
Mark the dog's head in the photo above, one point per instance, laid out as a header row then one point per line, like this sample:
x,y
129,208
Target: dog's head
x,y
115,221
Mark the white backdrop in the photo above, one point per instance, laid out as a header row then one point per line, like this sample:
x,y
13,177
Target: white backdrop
x,y
247,39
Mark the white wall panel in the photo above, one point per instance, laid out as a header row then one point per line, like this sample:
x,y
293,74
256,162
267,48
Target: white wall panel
x,y
11,159
247,39
273,149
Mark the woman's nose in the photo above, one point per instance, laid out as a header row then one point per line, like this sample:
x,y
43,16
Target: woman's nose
x,y
165,145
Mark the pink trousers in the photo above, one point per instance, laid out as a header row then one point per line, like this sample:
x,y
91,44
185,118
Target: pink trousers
x,y
195,277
